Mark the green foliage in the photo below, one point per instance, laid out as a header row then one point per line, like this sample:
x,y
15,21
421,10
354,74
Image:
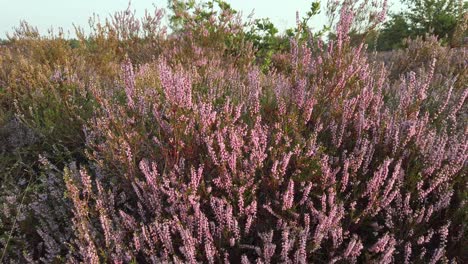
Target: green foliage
x,y
264,37
303,31
261,33
181,9
438,17
394,31
74,43
267,41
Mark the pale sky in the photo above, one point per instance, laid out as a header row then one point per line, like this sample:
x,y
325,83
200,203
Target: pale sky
x,y
45,14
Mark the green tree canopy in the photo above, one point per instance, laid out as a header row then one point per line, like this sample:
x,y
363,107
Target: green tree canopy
x,y
438,17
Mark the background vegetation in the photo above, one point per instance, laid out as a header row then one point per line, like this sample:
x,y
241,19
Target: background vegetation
x,y
222,140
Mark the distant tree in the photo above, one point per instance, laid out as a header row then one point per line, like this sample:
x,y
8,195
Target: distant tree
x,y
267,41
394,31
460,35
438,16
443,18
74,43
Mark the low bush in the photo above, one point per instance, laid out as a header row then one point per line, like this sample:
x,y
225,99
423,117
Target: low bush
x,y
201,153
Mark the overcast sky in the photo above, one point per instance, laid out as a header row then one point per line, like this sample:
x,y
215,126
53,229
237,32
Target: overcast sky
x,y
45,14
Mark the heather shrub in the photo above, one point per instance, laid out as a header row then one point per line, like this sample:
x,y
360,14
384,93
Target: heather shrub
x,y
44,106
208,31
419,53
326,163
123,34
36,225
200,153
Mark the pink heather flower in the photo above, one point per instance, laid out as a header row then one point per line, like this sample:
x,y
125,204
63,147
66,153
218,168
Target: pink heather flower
x,y
258,144
408,251
429,212
420,215
308,108
223,154
301,253
255,90
386,198
91,255
207,115
377,180
177,85
279,174
353,250
268,246
136,242
164,233
104,217
381,244
328,175
345,178
129,79
189,247
151,175
383,12
127,220
444,201
423,90
251,212
274,170
285,246
270,210
438,254
328,224
285,162
294,53
423,253
57,76
323,201
288,197
305,195
299,93
195,177
86,181
457,107
306,58
444,232
245,260
344,25
388,253
442,176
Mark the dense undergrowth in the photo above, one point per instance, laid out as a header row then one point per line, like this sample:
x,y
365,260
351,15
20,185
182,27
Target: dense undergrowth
x,y
134,145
